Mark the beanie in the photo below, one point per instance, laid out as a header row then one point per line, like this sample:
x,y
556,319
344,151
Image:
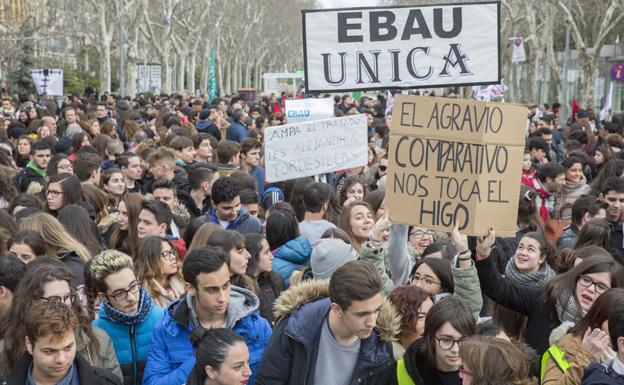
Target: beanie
x,y
328,255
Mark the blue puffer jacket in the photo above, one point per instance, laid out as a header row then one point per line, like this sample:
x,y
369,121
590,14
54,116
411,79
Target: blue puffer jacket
x,y
291,256
171,359
131,342
244,223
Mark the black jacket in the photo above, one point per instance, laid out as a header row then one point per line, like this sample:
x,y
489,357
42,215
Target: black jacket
x,y
271,286
290,356
87,374
187,200
421,372
616,246
24,178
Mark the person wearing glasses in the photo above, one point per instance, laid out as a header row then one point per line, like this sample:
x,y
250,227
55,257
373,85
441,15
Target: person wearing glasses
x,y
157,266
48,280
59,164
128,314
566,297
434,359
63,189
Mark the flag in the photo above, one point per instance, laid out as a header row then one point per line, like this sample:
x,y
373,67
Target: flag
x,y
518,55
212,82
389,103
607,105
490,92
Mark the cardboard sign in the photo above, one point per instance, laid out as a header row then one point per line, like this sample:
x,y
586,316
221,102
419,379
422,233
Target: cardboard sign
x,y
378,48
316,147
455,159
302,110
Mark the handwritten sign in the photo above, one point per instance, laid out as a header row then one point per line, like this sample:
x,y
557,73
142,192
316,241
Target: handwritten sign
x,y
315,147
452,159
301,110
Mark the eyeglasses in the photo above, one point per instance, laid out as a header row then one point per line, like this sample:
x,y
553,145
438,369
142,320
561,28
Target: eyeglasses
x,y
68,166
585,281
421,234
169,255
68,299
55,193
446,343
464,372
121,294
426,281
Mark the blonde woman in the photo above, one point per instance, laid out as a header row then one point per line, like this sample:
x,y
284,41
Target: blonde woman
x,y
59,243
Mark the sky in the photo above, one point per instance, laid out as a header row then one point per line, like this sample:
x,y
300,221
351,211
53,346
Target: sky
x,y
347,3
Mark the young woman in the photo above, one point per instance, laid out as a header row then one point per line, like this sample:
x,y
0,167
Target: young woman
x,y
63,190
291,250
157,267
412,303
575,186
79,140
98,199
234,244
50,281
528,169
201,236
222,358
112,181
357,220
434,359
603,155
22,155
376,199
59,243
492,361
528,221
78,224
566,297
354,189
26,245
586,342
434,276
59,164
260,267
596,232
123,235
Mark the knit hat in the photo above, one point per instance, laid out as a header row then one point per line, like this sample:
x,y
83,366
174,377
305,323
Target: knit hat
x,y
328,255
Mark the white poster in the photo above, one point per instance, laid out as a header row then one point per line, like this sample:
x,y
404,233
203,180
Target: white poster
x,y
315,147
301,110
518,55
148,78
373,48
48,81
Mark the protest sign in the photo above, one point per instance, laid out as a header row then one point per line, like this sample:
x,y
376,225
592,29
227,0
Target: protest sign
x,y
378,48
301,110
48,81
453,159
315,147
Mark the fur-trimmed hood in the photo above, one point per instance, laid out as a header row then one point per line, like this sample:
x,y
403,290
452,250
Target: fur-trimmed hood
x,y
388,321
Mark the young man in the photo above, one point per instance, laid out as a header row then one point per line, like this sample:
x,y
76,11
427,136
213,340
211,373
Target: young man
x,y
87,168
315,203
35,171
51,356
166,192
204,151
612,192
185,151
250,201
550,180
332,340
237,131
250,161
130,166
211,302
228,153
584,208
197,199
539,150
226,208
205,123
612,371
154,219
12,269
128,314
162,166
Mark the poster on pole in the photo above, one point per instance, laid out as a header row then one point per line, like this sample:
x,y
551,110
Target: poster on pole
x,y
315,147
301,110
379,48
48,81
453,159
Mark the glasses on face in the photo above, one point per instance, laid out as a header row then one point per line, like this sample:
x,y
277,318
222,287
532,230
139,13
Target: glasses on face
x,y
67,166
68,299
122,294
421,234
585,281
55,193
446,343
169,255
424,281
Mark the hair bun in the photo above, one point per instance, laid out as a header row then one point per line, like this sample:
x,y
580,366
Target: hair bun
x,y
197,335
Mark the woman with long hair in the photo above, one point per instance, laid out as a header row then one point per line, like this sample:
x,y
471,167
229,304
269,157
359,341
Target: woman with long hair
x,y
50,281
412,303
59,243
112,181
233,243
575,185
27,245
98,199
596,232
63,189
156,265
124,236
492,361
357,220
77,222
59,164
22,153
353,190
291,250
203,233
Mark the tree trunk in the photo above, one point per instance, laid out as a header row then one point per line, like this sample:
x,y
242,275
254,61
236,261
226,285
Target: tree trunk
x,y
192,65
203,77
588,64
166,73
105,68
181,71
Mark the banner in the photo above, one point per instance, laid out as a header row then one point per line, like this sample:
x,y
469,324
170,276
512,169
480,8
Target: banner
x,y
212,82
148,78
518,55
316,147
301,110
379,48
48,81
454,159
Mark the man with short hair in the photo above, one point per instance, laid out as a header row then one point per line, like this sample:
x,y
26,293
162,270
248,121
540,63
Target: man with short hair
x,y
228,153
226,208
315,203
35,171
130,166
612,192
332,340
204,152
101,110
154,219
205,123
250,161
166,192
12,269
51,356
162,162
211,302
128,315
237,130
550,181
185,151
87,168
197,199
539,150
584,208
250,201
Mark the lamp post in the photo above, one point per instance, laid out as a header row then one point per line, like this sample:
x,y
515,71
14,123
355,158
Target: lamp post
x,y
566,60
122,50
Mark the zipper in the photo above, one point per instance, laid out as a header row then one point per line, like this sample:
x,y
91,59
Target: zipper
x,y
134,355
305,378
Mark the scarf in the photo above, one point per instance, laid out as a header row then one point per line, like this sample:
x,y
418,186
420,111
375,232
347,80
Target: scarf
x,y
537,279
31,165
145,305
568,310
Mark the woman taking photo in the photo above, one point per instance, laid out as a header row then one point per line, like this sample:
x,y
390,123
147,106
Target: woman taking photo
x,y
156,266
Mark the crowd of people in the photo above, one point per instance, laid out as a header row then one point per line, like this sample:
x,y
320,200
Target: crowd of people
x,y
141,244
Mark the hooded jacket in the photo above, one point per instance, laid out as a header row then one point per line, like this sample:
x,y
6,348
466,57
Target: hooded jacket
x,y
244,223
291,256
30,174
171,358
290,357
